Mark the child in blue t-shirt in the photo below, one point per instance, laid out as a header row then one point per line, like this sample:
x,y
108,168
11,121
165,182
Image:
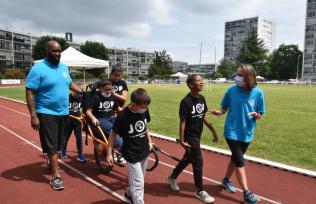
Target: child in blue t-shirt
x,y
245,105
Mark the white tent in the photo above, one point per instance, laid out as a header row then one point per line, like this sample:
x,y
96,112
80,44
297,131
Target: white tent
x,y
259,77
182,77
179,74
77,60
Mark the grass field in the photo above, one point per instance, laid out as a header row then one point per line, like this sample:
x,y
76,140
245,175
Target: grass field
x,y
287,134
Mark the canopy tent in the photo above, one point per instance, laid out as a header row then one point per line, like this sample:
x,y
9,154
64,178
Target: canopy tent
x,y
260,77
77,60
182,77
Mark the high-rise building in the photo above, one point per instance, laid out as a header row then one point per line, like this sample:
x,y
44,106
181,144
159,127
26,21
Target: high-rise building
x,y
236,32
16,49
309,60
133,62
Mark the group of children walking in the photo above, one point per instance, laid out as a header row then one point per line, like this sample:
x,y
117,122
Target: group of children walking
x,y
243,102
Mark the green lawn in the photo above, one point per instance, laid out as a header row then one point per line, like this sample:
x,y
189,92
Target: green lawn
x,y
287,134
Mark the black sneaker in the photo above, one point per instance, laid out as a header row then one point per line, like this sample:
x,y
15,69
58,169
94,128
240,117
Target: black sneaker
x,y
57,183
127,198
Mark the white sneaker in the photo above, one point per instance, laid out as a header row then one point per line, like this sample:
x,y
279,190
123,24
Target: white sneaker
x,y
205,197
120,160
173,184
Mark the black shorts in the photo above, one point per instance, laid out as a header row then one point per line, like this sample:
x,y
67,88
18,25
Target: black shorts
x,y
52,131
238,150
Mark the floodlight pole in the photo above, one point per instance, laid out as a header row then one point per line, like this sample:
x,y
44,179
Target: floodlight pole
x,y
298,61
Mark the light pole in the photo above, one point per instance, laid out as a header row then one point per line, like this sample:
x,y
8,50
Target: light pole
x,y
298,62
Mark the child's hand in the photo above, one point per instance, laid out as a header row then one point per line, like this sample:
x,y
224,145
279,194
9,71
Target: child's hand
x,y
184,144
109,160
255,114
215,112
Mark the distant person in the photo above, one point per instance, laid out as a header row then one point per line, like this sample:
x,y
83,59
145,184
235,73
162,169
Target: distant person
x,y
102,111
120,89
131,125
192,116
73,125
245,105
47,88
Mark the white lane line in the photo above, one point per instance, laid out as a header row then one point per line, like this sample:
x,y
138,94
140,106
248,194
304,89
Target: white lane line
x,y
86,177
171,166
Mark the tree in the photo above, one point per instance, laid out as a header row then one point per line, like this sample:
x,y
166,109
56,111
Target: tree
x,y
39,51
162,66
94,49
284,61
226,68
254,53
14,74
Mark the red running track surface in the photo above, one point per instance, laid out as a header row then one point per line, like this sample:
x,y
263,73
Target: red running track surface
x,y
24,178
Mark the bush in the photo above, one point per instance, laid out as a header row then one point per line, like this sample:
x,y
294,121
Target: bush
x,y
14,74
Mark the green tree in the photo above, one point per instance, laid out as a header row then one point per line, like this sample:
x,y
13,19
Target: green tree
x,y
94,49
284,61
254,53
162,66
39,51
14,74
226,68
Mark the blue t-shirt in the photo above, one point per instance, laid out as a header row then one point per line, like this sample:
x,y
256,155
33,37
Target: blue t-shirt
x,y
239,125
51,85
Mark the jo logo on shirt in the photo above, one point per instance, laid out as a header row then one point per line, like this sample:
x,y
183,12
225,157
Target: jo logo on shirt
x,y
139,126
199,108
106,104
117,88
74,105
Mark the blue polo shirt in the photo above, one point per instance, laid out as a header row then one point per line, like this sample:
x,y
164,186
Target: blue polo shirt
x,y
51,85
239,125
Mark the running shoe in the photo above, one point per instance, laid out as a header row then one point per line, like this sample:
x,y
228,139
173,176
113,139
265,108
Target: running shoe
x,y
127,198
173,184
205,197
250,198
57,183
81,158
228,186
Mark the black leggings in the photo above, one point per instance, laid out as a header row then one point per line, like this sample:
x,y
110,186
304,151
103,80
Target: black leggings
x,y
193,156
238,150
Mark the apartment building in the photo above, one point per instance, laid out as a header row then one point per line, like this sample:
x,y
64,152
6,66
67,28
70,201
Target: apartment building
x,y
202,69
16,48
178,66
236,32
309,60
134,62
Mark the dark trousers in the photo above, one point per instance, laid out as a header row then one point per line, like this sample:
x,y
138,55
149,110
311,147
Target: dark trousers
x,y
75,126
192,155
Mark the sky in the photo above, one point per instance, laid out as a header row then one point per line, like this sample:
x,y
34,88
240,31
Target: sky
x,y
177,26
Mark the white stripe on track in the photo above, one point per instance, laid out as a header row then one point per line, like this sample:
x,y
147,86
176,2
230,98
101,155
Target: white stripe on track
x,y
86,177
160,162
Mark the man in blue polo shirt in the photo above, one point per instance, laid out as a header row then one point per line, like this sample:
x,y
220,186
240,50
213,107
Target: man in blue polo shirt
x,y
47,89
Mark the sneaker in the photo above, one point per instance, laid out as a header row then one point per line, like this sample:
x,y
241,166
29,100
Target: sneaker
x,y
250,198
81,158
173,184
120,160
63,155
205,197
228,186
127,198
57,183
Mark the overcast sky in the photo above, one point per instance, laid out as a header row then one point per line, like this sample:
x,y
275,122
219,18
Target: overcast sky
x,y
178,26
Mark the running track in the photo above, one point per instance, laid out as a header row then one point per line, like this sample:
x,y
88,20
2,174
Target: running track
x,y
25,179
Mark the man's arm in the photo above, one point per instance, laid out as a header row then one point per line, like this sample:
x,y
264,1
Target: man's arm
x,y
75,88
109,157
29,96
